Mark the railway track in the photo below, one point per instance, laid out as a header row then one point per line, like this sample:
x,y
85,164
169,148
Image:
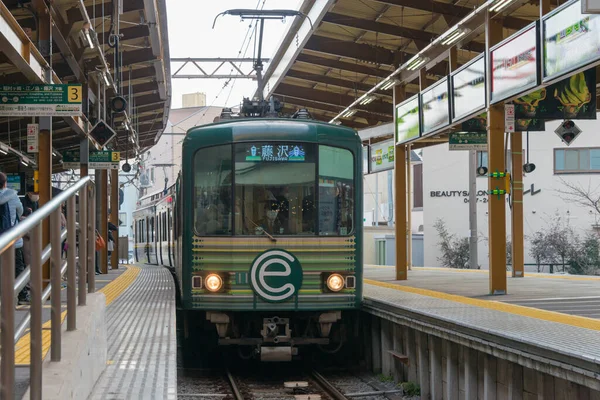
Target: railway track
x,y
279,383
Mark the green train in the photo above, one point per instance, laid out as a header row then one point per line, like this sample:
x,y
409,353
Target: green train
x,y
263,231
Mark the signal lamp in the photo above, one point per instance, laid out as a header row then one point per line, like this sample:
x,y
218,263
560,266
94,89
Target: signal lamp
x,y
335,282
118,104
528,168
482,171
213,282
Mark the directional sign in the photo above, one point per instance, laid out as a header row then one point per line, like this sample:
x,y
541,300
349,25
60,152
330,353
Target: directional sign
x,y
104,160
509,117
468,141
40,100
71,159
33,132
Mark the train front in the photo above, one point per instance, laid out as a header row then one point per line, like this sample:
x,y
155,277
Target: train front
x,y
272,256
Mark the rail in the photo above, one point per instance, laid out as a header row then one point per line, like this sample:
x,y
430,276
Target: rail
x,y
11,286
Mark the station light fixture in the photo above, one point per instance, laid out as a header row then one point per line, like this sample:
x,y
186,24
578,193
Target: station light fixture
x,y
86,35
389,83
3,150
453,36
106,75
500,5
348,113
367,100
416,63
24,162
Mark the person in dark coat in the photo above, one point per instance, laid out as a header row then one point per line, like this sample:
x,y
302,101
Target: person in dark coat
x,y
30,200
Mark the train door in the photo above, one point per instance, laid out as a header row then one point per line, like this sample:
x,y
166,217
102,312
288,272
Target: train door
x,y
169,237
158,238
147,239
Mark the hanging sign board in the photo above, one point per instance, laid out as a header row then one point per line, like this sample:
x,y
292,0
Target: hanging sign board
x,y
570,39
382,156
40,100
104,159
514,64
33,134
468,89
571,98
408,120
435,107
468,141
509,117
71,159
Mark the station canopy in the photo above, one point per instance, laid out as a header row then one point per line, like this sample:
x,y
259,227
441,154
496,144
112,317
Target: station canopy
x,y
358,43
144,49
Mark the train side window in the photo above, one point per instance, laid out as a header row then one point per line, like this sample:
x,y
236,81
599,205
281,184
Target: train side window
x,y
336,191
164,225
212,197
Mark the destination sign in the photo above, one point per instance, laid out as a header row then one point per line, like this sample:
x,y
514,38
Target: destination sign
x,y
514,65
571,40
274,152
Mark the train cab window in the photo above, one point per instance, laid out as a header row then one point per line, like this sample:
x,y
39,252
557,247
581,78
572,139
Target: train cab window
x,y
275,188
212,191
336,191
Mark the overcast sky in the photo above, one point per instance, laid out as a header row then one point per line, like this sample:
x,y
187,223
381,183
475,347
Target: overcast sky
x,y
191,35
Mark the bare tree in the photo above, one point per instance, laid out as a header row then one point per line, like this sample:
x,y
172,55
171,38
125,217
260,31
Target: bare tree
x,y
588,197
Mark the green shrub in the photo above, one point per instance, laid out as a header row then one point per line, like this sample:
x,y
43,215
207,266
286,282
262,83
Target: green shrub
x,y
410,388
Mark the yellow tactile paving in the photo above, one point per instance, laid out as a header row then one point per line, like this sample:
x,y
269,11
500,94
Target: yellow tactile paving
x,y
112,290
485,271
581,322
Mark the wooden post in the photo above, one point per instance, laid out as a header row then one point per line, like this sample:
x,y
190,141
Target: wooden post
x,y
103,220
496,204
518,241
400,205
114,215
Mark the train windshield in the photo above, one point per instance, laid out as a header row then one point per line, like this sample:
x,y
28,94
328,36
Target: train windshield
x,y
281,188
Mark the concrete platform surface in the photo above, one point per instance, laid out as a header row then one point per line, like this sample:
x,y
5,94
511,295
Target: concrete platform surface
x,y
142,341
568,294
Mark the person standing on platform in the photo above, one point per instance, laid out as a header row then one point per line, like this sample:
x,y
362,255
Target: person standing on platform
x,y
31,200
111,240
11,211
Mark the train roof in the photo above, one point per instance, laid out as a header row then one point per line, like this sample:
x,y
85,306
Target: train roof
x,y
253,129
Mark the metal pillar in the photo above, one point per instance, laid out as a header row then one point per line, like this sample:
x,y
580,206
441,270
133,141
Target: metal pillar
x,y
103,220
35,327
56,264
518,241
7,323
71,276
473,256
400,206
114,215
409,197
496,204
84,221
91,250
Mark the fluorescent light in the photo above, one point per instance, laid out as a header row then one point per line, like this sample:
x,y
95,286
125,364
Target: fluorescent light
x,y
24,162
3,150
500,5
454,37
89,38
348,113
366,100
417,64
388,84
105,74
131,139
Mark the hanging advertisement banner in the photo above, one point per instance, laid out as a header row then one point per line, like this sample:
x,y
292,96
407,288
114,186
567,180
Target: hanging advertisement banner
x,y
514,63
570,40
468,89
571,98
435,107
408,120
479,124
382,156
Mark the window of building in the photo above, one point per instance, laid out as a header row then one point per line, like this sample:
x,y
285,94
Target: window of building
x,y
418,186
123,219
583,160
336,191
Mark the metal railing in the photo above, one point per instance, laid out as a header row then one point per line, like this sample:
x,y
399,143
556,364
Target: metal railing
x,y
11,287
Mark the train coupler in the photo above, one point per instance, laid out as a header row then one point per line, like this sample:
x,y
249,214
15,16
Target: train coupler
x,y
276,330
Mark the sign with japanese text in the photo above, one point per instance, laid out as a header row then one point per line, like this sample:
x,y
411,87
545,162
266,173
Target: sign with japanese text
x,y
509,117
382,156
468,141
71,159
40,100
274,152
104,160
33,133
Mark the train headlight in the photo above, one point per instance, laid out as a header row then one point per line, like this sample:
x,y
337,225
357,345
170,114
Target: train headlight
x,y
213,282
335,282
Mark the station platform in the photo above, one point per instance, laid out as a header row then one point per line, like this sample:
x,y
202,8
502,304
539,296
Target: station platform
x,y
141,336
551,316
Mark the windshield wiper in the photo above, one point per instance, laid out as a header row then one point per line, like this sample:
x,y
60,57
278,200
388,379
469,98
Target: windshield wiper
x,y
262,229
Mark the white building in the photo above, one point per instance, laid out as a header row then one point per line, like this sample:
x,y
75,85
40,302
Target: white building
x,y
445,187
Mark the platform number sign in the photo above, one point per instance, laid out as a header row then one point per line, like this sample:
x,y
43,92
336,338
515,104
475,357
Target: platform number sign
x,y
276,275
74,93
